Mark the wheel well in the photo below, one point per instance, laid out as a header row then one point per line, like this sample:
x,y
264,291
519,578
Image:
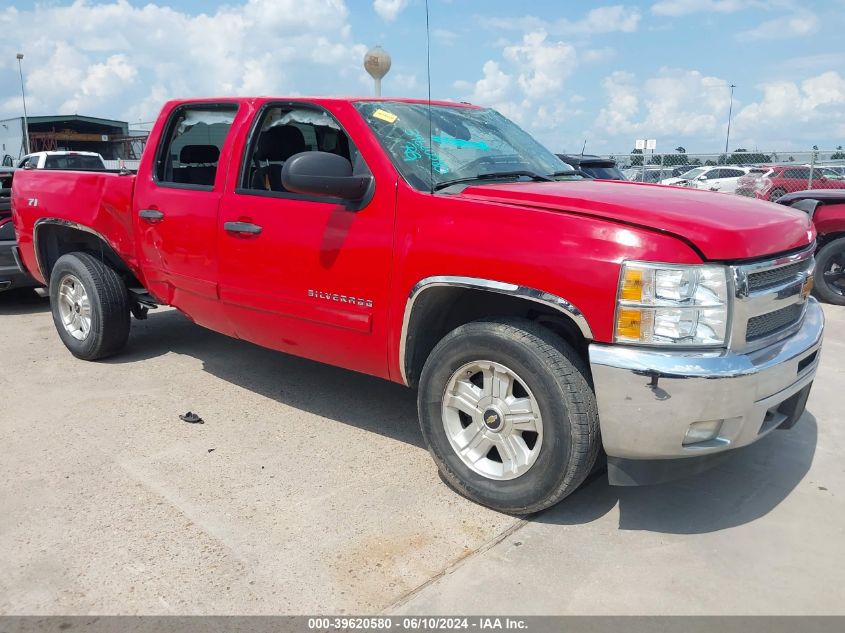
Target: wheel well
x,y
438,311
56,240
824,240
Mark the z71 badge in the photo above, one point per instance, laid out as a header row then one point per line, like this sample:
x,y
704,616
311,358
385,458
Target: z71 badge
x,y
347,299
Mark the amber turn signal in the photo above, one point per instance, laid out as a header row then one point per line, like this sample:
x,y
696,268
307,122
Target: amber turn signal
x,y
632,285
629,323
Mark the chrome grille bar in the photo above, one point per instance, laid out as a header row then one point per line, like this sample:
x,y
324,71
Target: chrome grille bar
x,y
769,303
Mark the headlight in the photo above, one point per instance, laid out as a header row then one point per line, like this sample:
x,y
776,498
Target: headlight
x,y
662,304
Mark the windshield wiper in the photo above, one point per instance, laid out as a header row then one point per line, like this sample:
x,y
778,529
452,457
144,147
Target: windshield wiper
x,y
492,175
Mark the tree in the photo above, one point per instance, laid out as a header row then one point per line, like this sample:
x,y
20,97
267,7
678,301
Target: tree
x,y
741,156
636,160
681,150
838,154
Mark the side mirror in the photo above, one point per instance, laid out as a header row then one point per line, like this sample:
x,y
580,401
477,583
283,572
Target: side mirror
x,y
324,174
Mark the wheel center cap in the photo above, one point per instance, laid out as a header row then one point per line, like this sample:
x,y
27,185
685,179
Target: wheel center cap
x,y
493,419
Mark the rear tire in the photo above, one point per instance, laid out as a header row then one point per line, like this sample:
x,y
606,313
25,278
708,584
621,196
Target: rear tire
x,y
90,306
489,450
776,194
830,268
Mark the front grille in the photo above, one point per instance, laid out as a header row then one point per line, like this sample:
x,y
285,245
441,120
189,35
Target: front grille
x,y
773,322
775,276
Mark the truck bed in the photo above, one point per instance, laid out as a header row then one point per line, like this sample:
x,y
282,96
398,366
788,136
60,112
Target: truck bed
x,y
101,201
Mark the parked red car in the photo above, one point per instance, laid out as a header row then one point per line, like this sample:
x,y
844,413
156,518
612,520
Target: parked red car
x,y
11,274
541,316
826,208
770,182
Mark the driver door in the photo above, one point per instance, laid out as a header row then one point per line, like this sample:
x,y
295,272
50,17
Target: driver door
x,y
298,273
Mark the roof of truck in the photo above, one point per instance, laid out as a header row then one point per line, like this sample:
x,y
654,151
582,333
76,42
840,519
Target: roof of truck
x,y
434,102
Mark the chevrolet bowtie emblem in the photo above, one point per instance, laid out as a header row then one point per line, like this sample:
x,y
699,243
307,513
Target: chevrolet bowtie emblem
x,y
491,419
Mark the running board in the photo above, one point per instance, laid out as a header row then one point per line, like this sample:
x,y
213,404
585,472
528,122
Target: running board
x,y
140,295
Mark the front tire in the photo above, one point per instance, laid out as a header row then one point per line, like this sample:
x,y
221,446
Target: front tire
x,y
509,415
90,306
830,272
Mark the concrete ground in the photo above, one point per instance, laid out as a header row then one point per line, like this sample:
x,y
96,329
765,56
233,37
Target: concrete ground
x,y
308,490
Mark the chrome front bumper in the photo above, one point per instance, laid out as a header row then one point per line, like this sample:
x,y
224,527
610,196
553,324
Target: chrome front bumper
x,y
647,399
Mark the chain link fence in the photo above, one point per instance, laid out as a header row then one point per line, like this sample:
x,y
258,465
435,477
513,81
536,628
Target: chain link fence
x,y
753,173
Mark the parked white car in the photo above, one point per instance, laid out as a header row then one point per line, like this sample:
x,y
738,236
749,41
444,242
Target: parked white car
x,y
718,178
63,160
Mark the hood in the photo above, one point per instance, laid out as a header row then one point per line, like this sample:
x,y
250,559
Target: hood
x,y
722,227
672,181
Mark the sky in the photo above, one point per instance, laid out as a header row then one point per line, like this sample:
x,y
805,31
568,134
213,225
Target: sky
x,y
567,71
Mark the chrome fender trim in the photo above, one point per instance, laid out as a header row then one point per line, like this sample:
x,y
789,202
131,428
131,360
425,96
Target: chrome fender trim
x,y
60,222
524,292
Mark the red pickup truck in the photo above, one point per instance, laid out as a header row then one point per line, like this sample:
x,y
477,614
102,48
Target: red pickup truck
x,y
826,209
543,318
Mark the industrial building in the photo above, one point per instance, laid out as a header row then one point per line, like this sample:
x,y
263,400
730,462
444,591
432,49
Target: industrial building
x,y
113,139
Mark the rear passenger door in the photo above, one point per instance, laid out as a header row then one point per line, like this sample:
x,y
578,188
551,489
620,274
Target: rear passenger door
x,y
728,179
175,210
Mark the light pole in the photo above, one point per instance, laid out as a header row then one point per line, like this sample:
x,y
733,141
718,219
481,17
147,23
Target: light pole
x,y
377,63
730,111
23,96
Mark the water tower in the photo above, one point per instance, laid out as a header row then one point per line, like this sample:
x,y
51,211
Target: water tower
x,y
377,63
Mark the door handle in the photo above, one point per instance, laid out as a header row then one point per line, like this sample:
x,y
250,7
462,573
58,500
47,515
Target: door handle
x,y
151,215
242,228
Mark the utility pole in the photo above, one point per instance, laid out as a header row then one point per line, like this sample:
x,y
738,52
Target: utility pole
x,y
23,96
730,112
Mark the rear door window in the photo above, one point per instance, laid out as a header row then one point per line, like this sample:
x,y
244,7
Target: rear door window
x,y
189,152
797,173
73,161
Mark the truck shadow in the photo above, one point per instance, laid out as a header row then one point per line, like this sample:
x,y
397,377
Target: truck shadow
x,y
749,484
362,401
23,301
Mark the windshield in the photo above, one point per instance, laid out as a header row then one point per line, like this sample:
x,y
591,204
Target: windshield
x,y
693,173
603,172
73,161
465,143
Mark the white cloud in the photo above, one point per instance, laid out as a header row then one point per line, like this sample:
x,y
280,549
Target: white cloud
x,y
390,9
526,85
598,55
686,106
609,19
675,8
102,80
542,65
445,36
797,25
121,60
812,111
493,86
675,103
